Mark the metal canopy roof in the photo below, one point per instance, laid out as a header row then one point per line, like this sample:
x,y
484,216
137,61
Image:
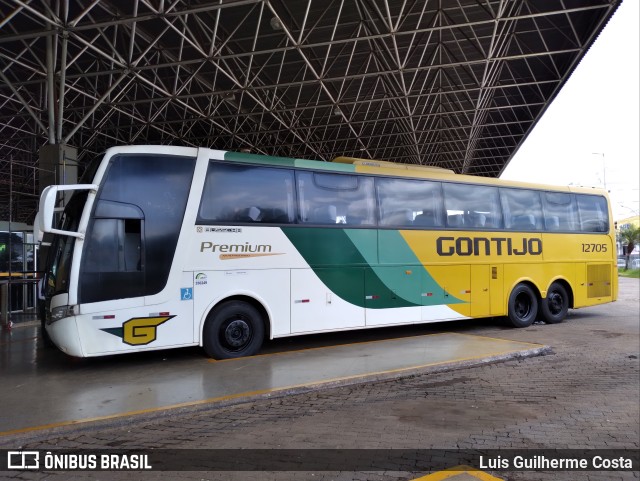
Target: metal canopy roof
x,y
453,83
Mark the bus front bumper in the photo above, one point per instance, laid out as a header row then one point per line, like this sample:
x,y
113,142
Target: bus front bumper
x,y
64,334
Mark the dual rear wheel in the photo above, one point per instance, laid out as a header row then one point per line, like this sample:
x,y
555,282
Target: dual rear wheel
x,y
525,306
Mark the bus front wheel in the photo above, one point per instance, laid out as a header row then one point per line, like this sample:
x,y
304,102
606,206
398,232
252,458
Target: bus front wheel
x,y
523,306
233,329
554,307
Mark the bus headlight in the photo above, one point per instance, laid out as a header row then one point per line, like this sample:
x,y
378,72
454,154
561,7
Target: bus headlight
x,y
61,312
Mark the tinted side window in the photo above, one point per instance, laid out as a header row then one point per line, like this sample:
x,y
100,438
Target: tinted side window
x,y
406,203
472,206
115,246
522,209
137,219
245,193
336,199
560,212
594,215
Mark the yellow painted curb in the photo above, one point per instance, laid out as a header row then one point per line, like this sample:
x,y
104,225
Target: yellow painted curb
x,y
455,471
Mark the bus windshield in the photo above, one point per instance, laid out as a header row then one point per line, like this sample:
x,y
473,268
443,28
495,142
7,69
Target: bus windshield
x,y
59,260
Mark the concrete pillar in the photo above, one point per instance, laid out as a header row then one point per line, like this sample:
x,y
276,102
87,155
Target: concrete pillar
x,y
58,165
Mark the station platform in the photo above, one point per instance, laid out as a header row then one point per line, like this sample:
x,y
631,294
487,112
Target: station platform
x,y
44,389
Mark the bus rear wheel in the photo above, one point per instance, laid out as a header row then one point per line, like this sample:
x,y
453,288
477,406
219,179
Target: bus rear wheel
x,y
554,307
523,306
233,329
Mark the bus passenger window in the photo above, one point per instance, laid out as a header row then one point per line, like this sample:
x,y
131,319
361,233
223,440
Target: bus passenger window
x,y
407,202
472,206
594,215
560,211
244,193
336,199
522,209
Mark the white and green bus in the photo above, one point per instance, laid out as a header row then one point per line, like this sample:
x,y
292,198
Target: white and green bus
x,y
170,247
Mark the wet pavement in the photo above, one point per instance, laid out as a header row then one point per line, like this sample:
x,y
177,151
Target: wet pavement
x,y
87,391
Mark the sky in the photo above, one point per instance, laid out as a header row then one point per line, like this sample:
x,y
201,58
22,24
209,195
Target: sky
x,y
589,135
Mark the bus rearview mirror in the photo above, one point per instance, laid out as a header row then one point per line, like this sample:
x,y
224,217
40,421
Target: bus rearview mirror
x,y
48,201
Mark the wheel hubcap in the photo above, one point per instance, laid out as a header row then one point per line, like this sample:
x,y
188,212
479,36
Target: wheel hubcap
x,y
555,303
237,333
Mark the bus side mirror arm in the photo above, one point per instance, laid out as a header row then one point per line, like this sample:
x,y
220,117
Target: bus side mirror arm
x,y
48,201
78,235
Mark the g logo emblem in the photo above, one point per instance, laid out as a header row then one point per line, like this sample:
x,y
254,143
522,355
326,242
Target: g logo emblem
x,y
138,331
141,331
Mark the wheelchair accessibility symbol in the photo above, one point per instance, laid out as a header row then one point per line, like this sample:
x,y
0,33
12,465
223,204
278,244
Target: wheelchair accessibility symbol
x,y
186,293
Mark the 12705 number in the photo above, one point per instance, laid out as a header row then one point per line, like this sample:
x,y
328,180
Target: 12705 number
x,y
594,247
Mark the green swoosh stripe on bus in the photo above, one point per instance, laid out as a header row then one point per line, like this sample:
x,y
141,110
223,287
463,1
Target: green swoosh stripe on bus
x,y
327,251
394,277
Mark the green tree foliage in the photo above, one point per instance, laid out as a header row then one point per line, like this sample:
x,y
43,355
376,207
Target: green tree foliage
x,y
629,236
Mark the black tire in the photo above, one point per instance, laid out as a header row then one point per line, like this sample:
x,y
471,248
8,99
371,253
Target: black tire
x,y
553,308
233,329
523,306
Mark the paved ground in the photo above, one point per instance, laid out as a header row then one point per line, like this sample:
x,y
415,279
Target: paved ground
x,y
586,395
